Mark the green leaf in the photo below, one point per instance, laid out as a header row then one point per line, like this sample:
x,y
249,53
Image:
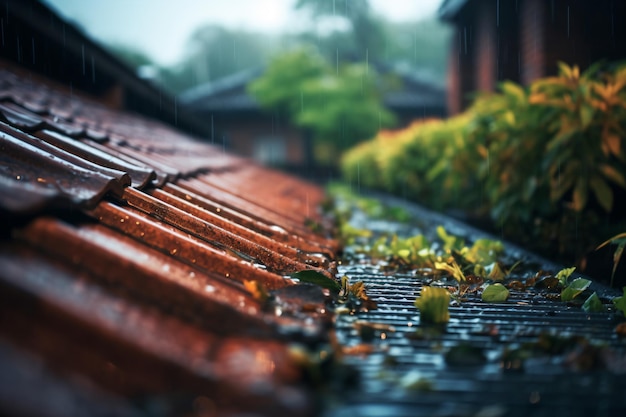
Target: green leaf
x,y
484,251
602,191
620,241
616,257
612,174
561,186
564,274
314,277
593,304
450,242
620,302
495,293
586,115
576,287
433,305
564,69
514,90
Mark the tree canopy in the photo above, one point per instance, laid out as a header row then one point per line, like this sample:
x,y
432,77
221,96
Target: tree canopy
x,y
339,105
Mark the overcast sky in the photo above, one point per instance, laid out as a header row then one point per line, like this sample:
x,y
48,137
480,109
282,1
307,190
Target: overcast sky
x,y
161,27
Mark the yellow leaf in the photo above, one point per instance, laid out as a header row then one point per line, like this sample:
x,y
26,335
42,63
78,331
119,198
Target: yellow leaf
x,y
538,98
256,289
564,69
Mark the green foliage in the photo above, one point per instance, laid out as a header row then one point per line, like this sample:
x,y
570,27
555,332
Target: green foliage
x,y
340,106
350,234
564,274
620,241
620,302
593,304
495,293
544,162
314,277
576,287
433,305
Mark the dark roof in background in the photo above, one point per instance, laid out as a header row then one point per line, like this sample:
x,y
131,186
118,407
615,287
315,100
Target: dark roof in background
x,y
450,8
229,94
37,39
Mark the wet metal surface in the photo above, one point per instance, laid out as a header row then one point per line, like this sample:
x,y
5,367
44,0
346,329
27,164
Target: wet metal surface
x,y
391,375
403,364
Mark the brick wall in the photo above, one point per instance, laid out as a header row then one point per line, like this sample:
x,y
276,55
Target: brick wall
x,y
532,40
484,50
486,46
454,96
522,40
462,66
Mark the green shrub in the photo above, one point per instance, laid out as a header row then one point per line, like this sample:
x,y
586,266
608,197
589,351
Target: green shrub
x,y
545,163
555,158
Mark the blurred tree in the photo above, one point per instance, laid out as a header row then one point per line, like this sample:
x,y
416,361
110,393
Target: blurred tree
x,y
338,106
214,52
365,39
422,45
348,31
130,55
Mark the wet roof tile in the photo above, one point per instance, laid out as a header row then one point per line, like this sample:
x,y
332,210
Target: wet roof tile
x,y
140,238
63,176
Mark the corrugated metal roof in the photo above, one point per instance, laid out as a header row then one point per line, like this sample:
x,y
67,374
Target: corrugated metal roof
x,y
124,248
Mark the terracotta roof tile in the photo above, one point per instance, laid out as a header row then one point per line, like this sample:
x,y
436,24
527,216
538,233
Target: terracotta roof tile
x,y
126,252
43,166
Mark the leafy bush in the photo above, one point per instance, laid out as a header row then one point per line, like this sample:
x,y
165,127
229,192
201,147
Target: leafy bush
x,y
546,163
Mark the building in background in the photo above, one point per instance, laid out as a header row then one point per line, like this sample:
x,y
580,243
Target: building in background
x,y
239,124
522,40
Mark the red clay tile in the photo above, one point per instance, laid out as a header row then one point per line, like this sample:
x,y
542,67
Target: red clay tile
x,y
253,210
28,159
239,217
140,290
132,349
181,245
241,231
140,175
273,261
147,273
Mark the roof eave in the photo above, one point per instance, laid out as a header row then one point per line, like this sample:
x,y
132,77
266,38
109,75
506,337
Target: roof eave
x,y
450,9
